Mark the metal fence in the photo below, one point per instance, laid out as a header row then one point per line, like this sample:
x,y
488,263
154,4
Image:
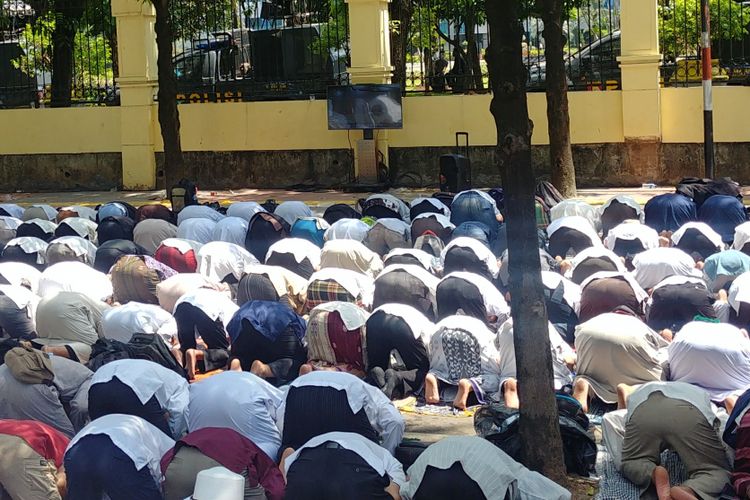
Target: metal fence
x,y
680,38
439,45
81,71
241,50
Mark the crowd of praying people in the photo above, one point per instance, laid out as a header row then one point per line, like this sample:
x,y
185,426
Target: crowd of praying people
x,y
144,351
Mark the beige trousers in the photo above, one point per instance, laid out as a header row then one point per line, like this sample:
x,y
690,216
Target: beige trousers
x,y
24,474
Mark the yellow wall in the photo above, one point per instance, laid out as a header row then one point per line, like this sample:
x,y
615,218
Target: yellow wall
x,y
682,114
596,117
61,130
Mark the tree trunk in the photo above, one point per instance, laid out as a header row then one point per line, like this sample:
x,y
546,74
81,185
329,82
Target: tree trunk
x,y
538,424
400,14
67,17
558,119
472,53
169,115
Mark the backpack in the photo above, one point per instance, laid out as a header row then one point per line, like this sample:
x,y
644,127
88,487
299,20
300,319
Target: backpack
x,y
183,194
105,351
699,190
29,366
499,425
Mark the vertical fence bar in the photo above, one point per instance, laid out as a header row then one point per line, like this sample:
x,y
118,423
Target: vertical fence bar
x,y
708,105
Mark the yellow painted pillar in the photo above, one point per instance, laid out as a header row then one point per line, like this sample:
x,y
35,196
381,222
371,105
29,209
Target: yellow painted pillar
x,y
136,51
641,91
370,49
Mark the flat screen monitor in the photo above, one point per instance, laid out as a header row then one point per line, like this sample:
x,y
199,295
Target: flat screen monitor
x,y
364,107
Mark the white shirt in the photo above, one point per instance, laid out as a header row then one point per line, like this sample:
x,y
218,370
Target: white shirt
x,y
383,416
290,211
714,356
200,230
143,443
198,212
300,248
478,248
78,245
703,228
85,212
72,276
489,377
215,304
351,254
420,326
630,231
351,229
569,208
739,291
655,264
494,302
578,223
376,456
239,401
741,235
219,259
121,322
284,281
18,273
148,379
559,348
244,209
571,291
496,473
231,230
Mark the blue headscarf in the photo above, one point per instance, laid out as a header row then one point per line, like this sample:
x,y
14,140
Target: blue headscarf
x,y
268,318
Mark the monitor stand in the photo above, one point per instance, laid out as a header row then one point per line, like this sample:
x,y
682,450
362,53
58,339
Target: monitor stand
x,y
366,166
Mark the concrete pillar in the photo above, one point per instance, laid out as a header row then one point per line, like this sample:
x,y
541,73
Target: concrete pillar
x,y
370,49
136,50
641,90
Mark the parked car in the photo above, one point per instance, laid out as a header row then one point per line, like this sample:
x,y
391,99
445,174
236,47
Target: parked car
x,y
593,66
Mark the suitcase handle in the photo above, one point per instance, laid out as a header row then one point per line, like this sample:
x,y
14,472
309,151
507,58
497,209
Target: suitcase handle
x,y
465,135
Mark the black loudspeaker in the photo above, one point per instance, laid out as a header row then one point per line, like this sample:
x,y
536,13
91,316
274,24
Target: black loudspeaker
x,y
455,169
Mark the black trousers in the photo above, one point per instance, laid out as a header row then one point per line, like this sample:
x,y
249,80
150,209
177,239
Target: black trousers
x,y
287,261
386,333
284,355
454,294
189,319
447,484
94,466
331,472
566,240
673,306
312,411
402,288
116,397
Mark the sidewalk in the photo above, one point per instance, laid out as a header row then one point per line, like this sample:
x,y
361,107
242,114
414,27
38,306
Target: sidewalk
x,y
312,198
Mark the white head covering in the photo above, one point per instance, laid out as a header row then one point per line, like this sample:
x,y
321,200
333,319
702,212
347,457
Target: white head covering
x,y
393,203
567,208
351,254
352,315
655,264
420,326
29,244
85,212
494,302
183,246
8,226
197,229
630,231
78,246
625,200
49,211
478,248
13,210
83,227
244,209
739,291
72,276
577,222
595,252
218,259
231,230
426,260
701,227
443,220
290,211
299,247
350,229
20,274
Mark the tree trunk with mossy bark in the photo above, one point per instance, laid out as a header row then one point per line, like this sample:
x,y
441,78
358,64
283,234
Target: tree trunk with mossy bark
x,y
538,424
169,114
558,118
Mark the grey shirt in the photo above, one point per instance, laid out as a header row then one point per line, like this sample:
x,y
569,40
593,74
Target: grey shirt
x,y
62,405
